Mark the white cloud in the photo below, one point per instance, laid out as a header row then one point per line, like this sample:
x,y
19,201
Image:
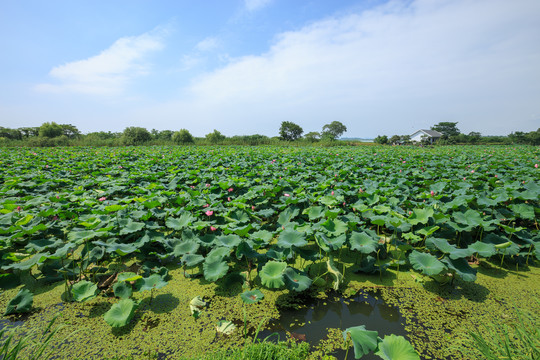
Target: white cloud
x,y
392,69
207,44
106,73
254,5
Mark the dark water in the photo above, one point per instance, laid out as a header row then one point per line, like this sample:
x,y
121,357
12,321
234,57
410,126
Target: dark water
x,y
313,322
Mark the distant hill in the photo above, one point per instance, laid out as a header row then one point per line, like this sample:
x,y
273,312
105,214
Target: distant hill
x,y
355,139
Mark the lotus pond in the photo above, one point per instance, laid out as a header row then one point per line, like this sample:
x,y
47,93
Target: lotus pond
x,y
164,252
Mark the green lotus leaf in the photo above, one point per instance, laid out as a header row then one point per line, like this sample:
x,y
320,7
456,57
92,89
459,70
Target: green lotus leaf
x,y
461,268
27,264
97,253
315,212
84,290
240,230
427,263
470,217
225,327
20,303
443,246
334,227
214,269
287,215
483,249
420,216
80,236
363,242
186,247
289,238
262,235
191,260
364,341
245,250
228,241
272,274
153,282
178,224
122,290
252,296
296,281
239,216
322,242
218,253
130,227
128,276
394,347
121,313
113,208
428,230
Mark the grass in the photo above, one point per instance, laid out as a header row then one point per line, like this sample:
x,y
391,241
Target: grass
x,y
261,351
518,341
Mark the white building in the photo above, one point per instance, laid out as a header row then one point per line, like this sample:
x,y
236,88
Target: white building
x,y
431,135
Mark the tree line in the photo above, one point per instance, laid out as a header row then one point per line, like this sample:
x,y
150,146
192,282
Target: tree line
x,y
451,135
53,134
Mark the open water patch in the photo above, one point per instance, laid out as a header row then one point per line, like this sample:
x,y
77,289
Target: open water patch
x,y
311,321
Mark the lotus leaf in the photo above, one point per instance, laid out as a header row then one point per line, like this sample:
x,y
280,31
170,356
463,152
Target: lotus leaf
x,y
272,274
394,347
427,263
363,243
121,313
364,341
122,290
295,280
20,303
214,269
252,296
84,290
191,260
154,281
289,238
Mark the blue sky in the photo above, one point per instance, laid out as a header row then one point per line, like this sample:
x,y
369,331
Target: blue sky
x,y
244,66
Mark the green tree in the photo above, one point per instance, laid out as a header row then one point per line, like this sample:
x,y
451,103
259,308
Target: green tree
x,y
215,137
70,131
394,140
381,139
50,130
290,131
333,130
312,136
447,128
182,137
135,136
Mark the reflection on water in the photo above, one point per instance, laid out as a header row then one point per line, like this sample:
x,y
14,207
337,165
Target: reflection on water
x,y
312,322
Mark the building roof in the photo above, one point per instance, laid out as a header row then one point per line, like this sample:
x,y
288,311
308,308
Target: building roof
x,y
431,133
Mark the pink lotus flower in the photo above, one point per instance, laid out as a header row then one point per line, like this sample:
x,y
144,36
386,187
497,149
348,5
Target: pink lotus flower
x,y
191,186
102,198
209,213
19,208
230,190
213,228
432,193
120,167
286,195
207,185
536,166
205,206
464,178
253,208
229,198
332,193
472,171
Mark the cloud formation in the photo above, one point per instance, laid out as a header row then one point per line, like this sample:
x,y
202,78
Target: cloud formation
x,y
109,72
391,69
254,5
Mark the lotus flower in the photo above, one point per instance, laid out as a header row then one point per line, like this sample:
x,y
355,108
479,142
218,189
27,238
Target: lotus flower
x,y
536,166
286,195
213,228
102,198
209,213
230,190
